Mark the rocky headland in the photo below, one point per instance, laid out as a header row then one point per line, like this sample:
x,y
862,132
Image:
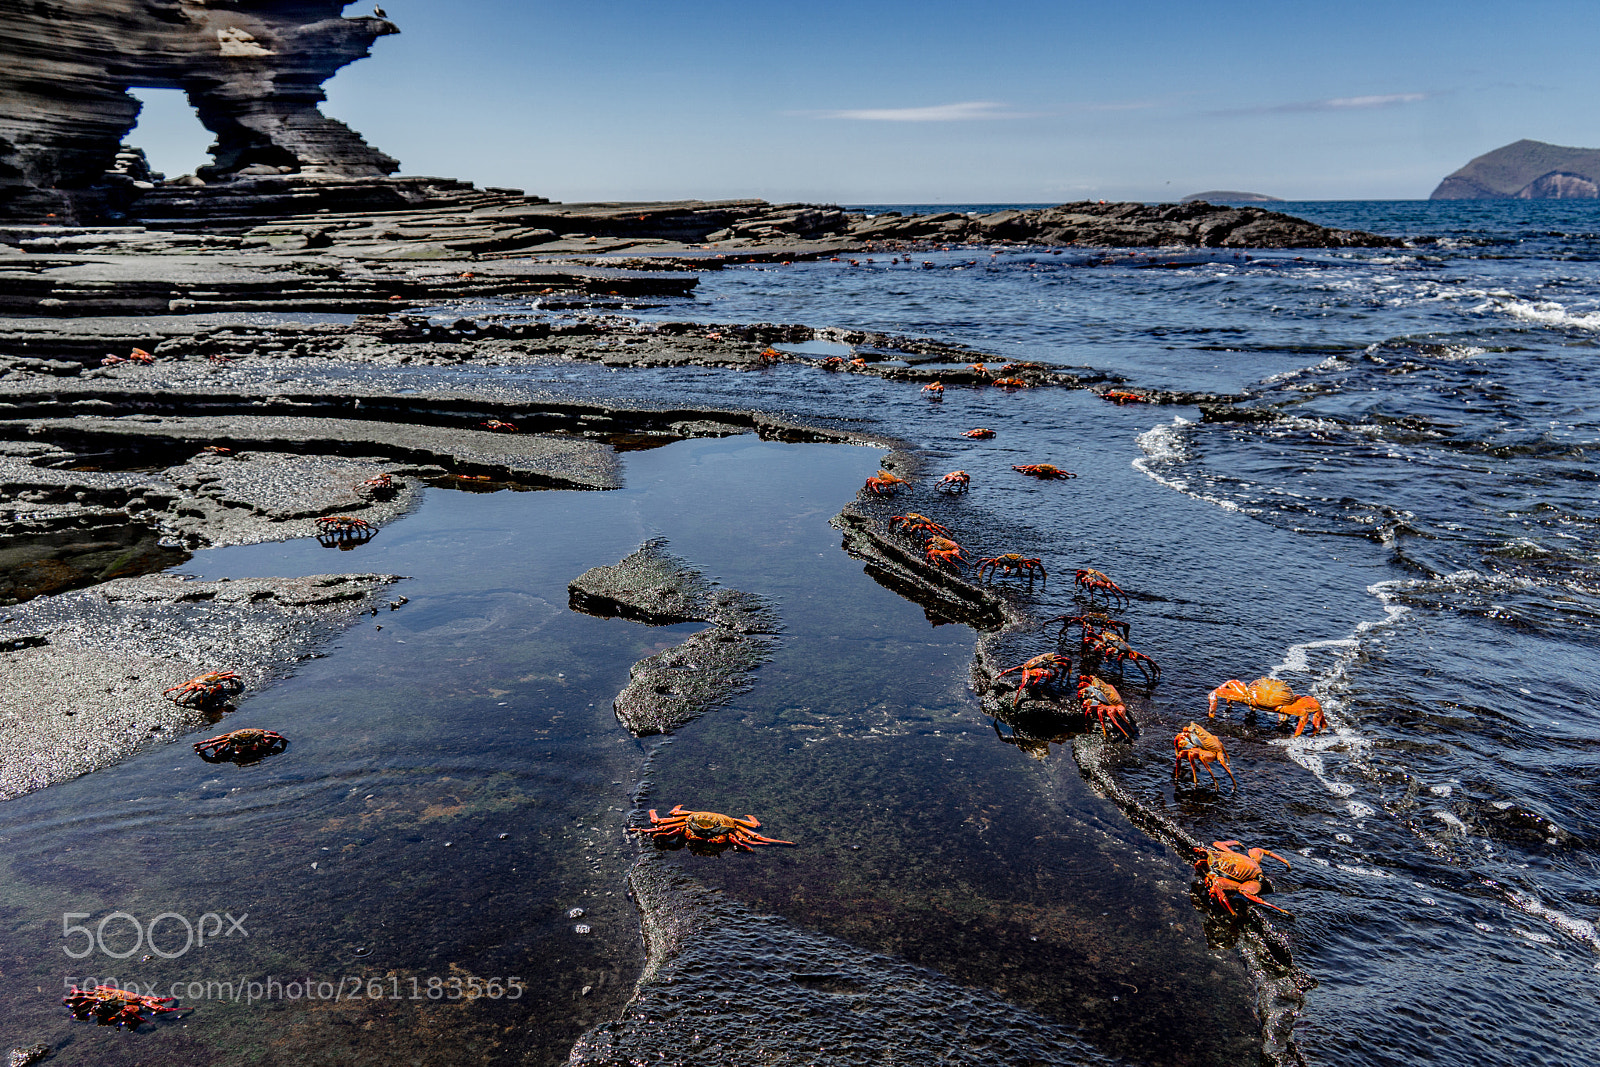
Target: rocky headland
x,y
1526,170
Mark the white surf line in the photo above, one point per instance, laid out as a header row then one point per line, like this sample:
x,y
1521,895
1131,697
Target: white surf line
x,y
1164,444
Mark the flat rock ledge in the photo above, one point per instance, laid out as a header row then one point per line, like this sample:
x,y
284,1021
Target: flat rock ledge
x,y
673,688
81,674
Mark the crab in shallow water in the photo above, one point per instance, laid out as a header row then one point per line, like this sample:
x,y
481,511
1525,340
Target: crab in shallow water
x,y
110,1006
1274,695
884,484
1013,563
1043,471
1109,646
1040,670
707,828
498,426
935,390
1201,748
334,529
954,482
1101,699
205,689
241,746
982,433
1226,869
1093,581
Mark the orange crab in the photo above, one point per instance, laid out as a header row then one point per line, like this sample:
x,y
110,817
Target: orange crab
x,y
1226,869
954,482
1271,694
978,368
935,390
1201,748
1009,383
1093,581
770,355
241,746
110,1006
205,689
498,426
1040,670
707,828
138,355
1104,644
1043,471
1117,396
913,523
942,550
343,525
982,433
884,483
381,487
1013,562
1101,699
833,363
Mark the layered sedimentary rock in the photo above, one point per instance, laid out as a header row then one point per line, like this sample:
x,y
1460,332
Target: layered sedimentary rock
x,y
1526,170
253,69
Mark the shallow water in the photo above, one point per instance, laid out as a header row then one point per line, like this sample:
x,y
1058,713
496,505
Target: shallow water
x,y
1414,543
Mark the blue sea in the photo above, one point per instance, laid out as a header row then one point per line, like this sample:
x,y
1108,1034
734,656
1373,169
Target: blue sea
x,y
1406,527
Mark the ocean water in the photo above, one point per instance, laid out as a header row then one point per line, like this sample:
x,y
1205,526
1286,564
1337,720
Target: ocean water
x,y
1409,532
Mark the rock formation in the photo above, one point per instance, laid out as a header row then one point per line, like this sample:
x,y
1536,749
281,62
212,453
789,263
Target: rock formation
x,y
1526,170
253,69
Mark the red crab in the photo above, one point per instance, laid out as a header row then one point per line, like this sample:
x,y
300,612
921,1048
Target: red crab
x,y
942,550
982,433
1013,562
935,390
1117,396
1106,645
204,689
1201,748
978,368
241,746
914,523
770,355
1226,869
1040,670
1093,581
707,828
381,487
884,483
833,363
110,1006
1101,699
1272,694
344,525
138,355
954,482
1010,383
1043,471
497,426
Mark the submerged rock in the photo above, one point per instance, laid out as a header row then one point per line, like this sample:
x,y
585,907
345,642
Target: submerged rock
x,y
673,688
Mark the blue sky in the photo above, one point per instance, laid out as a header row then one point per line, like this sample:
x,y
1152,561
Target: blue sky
x,y
942,102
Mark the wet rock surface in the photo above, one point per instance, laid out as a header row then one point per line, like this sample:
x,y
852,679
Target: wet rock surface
x,y
673,688
840,1004
82,673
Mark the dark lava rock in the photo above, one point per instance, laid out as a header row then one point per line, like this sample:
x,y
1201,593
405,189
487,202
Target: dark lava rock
x,y
1125,225
24,1056
673,688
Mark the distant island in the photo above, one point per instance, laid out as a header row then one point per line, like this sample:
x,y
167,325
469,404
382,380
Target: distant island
x,y
1526,170
1230,196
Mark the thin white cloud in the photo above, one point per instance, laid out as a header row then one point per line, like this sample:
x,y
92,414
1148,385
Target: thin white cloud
x,y
1338,103
971,111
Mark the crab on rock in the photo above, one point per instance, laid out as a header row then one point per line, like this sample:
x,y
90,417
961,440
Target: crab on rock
x,y
913,523
1101,699
1040,670
1226,869
884,484
110,1006
241,746
1201,748
954,482
942,550
707,828
1107,645
1272,694
205,689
